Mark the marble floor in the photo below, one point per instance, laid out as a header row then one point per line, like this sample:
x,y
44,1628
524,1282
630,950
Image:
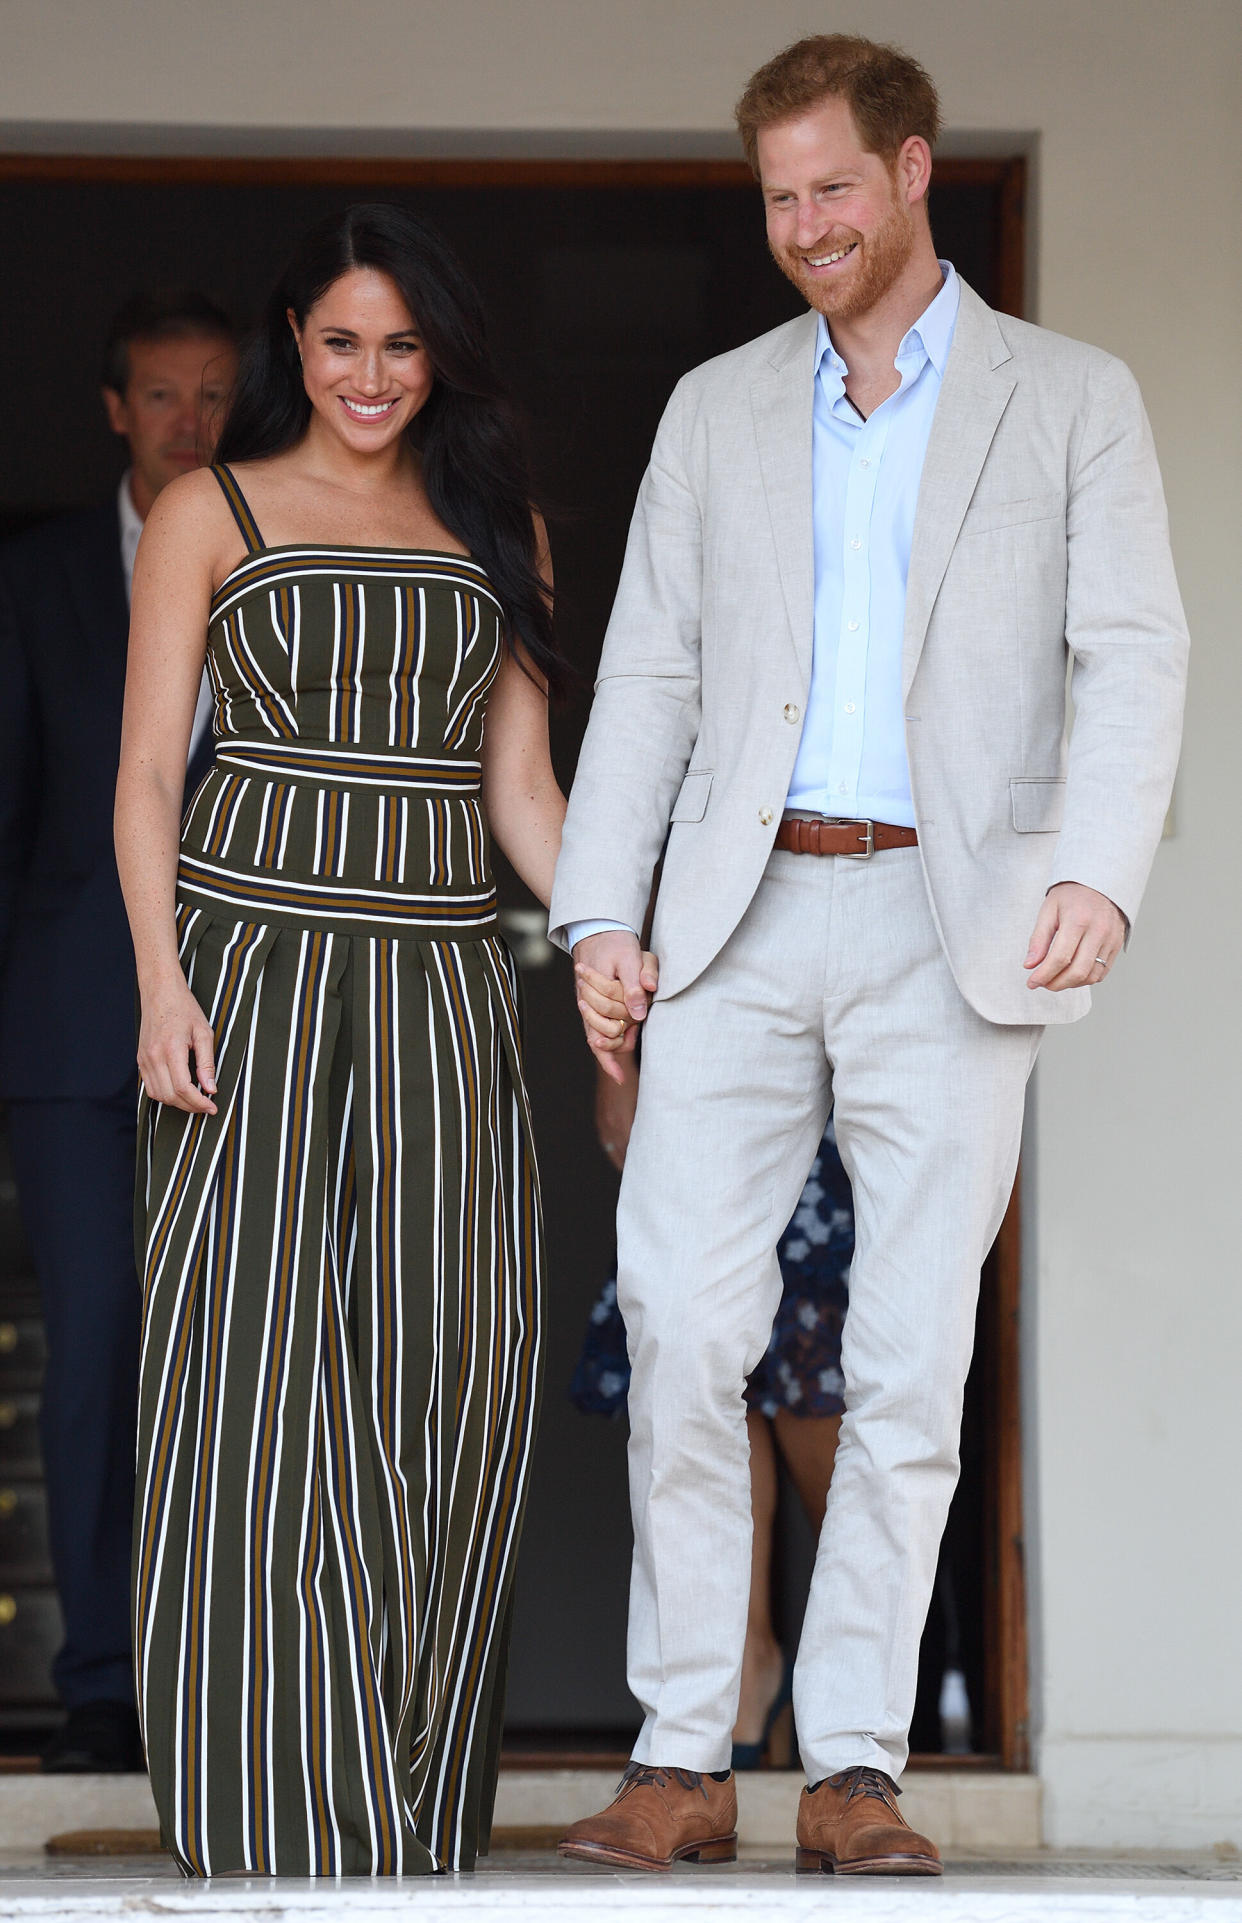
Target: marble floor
x,y
760,1888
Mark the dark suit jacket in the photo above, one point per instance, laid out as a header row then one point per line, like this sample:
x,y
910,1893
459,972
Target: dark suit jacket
x,y
67,980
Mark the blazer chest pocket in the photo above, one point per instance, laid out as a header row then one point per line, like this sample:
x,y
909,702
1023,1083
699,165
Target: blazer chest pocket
x,y
989,517
1038,803
691,802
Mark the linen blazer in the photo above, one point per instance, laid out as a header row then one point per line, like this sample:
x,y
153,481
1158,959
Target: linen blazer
x,y
1040,538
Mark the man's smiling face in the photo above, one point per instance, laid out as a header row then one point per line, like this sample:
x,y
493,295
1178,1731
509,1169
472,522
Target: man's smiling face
x,y
840,224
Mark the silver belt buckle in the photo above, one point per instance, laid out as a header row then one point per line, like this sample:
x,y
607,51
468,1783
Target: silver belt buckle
x,y
868,840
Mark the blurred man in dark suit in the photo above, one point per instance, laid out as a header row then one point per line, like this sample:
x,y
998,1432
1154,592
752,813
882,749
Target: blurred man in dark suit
x,y
67,1041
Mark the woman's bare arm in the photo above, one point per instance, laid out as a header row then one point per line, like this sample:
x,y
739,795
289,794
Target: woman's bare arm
x,y
173,576
525,807
524,804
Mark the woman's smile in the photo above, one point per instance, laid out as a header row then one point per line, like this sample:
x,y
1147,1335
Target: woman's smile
x,y
368,410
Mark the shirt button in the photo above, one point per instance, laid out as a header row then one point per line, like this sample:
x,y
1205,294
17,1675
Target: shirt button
x,y
765,816
849,707
864,462
843,789
855,543
852,626
791,711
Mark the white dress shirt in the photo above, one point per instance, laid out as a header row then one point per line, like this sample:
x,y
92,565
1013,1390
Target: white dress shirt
x,y
865,478
131,534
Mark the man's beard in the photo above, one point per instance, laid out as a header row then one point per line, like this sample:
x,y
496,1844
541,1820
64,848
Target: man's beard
x,y
880,260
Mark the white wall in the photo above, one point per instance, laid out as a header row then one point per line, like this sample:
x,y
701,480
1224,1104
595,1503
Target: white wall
x,y
1136,1316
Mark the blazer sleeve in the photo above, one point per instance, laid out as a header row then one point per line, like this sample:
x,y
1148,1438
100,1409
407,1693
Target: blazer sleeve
x,y
1126,632
645,716
17,763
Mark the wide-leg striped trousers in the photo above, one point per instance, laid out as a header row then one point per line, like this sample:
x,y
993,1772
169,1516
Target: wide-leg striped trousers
x,y
341,1342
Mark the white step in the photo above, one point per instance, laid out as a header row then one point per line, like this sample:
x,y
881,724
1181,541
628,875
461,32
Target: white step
x,y
961,1809
547,1892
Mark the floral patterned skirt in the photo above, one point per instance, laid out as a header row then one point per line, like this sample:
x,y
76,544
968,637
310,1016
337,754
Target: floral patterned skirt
x,y
801,1368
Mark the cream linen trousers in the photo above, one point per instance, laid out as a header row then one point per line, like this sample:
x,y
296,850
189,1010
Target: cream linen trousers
x,y
832,993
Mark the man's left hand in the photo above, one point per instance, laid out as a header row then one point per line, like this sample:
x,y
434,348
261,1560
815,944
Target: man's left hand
x,y
1077,937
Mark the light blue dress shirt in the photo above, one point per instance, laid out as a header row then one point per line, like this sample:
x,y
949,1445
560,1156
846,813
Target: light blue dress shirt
x,y
865,482
864,488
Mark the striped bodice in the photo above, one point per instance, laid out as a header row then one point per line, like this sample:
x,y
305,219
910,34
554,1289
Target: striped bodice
x,y
351,686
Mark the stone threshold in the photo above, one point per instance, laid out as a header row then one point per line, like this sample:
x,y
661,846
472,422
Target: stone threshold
x,y
970,1810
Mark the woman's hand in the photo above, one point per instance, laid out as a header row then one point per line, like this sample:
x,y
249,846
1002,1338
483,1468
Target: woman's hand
x,y
615,1103
615,982
174,1029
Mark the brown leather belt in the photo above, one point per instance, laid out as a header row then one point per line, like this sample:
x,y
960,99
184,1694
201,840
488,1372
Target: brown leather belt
x,y
853,839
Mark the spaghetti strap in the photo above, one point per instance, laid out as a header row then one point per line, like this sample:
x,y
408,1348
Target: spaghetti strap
x,y
240,506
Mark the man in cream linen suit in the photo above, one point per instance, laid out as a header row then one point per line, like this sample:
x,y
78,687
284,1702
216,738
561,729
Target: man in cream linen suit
x,y
834,686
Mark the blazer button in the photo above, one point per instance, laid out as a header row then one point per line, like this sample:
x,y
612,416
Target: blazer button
x,y
791,711
765,816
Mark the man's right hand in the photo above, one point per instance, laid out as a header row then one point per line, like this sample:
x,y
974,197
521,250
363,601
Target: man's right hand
x,y
615,981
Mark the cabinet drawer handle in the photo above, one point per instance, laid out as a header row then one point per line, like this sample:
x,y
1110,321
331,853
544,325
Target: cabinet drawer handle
x,y
8,1611
8,1337
8,1501
8,1414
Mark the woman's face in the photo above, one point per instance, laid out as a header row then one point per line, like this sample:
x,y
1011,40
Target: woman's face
x,y
366,370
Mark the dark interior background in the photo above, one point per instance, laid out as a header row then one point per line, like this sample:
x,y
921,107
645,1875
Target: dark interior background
x,y
600,298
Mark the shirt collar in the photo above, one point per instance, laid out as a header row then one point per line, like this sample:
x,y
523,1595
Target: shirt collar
x,y
930,338
131,520
131,527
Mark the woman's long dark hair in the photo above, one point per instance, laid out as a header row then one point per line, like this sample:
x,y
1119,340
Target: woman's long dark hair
x,y
474,462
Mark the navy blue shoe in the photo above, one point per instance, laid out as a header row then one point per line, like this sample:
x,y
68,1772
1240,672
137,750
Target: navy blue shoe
x,y
751,1755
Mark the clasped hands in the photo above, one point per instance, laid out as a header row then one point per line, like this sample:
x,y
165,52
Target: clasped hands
x,y
615,979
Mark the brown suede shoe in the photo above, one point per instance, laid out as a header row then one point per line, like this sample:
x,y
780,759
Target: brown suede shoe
x,y
849,1825
660,1817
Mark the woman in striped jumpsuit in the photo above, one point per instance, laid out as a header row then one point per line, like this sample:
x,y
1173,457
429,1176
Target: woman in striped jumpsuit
x,y
338,1203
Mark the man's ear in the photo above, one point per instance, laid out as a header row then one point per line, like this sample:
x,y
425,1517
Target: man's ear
x,y
914,166
116,410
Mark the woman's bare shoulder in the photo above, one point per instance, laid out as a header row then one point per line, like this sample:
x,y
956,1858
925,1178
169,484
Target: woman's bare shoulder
x,y
192,500
190,521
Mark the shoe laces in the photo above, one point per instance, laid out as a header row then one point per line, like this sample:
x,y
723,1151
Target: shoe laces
x,y
866,1782
648,1776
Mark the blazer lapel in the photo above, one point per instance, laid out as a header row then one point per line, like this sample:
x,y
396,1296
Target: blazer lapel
x,y
978,381
781,399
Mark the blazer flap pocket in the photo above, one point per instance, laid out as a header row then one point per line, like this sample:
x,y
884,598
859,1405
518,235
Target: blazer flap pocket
x,y
691,802
1038,803
984,517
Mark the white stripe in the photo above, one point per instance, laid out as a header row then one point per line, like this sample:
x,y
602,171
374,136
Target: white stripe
x,y
319,810
295,644
344,834
284,833
360,641
394,699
